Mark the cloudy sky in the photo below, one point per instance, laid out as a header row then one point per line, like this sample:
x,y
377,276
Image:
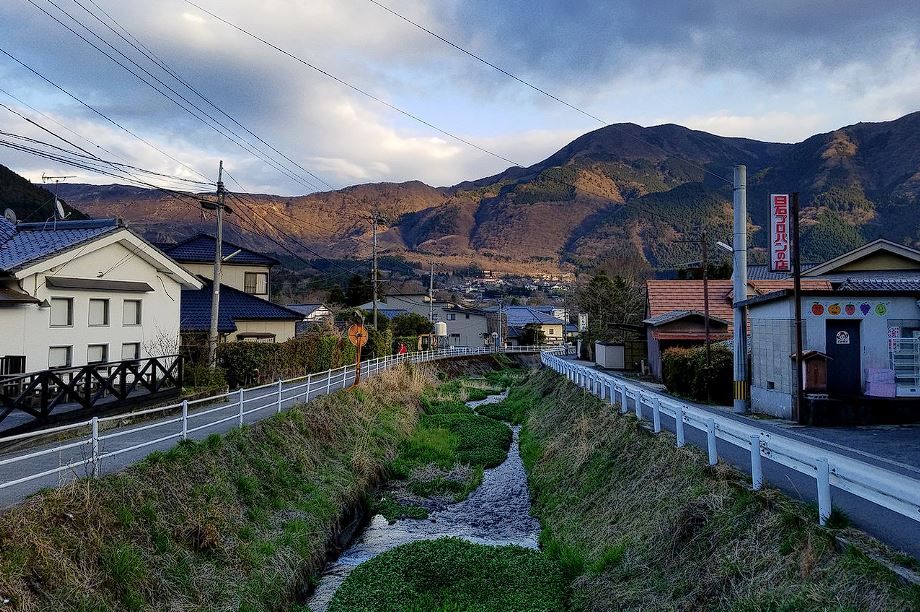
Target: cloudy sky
x,y
773,70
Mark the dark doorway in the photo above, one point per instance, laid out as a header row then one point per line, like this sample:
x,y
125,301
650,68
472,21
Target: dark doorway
x,y
844,367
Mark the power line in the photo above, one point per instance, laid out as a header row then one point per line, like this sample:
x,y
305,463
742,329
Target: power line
x,y
149,54
98,112
353,87
540,90
233,137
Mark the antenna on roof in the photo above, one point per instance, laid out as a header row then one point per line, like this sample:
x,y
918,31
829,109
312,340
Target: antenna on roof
x,y
58,207
10,216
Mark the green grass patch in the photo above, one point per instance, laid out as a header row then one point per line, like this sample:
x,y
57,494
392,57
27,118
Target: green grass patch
x,y
392,509
235,522
513,408
640,524
451,574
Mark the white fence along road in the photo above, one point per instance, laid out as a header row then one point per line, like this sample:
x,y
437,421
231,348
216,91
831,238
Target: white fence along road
x,y
882,491
90,450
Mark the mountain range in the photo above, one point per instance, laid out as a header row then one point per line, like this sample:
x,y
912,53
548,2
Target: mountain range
x,y
621,192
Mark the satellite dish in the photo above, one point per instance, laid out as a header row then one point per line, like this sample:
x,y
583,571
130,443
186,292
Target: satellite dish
x,y
9,215
60,209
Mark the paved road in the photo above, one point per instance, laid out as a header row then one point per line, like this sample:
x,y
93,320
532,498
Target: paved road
x,y
117,437
894,529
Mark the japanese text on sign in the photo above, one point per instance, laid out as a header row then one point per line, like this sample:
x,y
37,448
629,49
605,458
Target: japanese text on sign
x,y
780,249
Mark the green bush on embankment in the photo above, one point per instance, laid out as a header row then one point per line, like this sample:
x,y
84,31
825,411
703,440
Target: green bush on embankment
x,y
238,522
640,524
449,435
452,574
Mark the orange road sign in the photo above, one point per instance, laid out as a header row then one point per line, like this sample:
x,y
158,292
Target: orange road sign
x,y
357,334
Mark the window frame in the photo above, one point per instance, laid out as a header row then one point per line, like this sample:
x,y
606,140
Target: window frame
x,y
451,316
69,302
69,349
106,311
257,275
140,313
137,352
105,354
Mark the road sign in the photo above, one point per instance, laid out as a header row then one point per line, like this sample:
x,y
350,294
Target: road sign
x,y
357,334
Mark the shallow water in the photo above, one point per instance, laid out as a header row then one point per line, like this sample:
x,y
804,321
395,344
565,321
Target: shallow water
x,y
496,513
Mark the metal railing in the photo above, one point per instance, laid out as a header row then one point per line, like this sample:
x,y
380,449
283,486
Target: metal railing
x,y
876,485
181,420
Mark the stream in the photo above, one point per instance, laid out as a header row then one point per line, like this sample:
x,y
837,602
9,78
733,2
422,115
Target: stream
x,y
496,513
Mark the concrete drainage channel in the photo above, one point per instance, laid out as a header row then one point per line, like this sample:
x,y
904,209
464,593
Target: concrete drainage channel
x,y
496,513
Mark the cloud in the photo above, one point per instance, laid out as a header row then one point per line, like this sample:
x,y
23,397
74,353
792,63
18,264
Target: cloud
x,y
774,70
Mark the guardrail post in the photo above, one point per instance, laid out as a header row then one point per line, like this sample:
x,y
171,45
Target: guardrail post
x,y
639,406
328,381
624,400
824,490
611,396
679,425
711,441
306,396
756,468
345,376
239,404
95,440
279,396
656,414
185,419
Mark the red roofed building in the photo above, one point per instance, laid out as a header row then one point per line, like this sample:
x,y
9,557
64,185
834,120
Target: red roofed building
x,y
674,311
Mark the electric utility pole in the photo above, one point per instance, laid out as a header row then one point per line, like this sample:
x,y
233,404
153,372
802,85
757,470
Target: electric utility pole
x,y
431,294
797,296
374,268
218,244
739,274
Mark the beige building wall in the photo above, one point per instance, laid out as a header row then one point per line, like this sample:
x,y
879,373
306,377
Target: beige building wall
x,y
26,329
231,275
283,330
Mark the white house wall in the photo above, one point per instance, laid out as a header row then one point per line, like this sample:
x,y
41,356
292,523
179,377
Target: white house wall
x,y
230,275
26,330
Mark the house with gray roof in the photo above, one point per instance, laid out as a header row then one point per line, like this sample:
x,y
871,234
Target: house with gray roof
x,y
79,292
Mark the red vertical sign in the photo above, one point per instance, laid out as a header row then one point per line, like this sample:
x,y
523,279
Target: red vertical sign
x,y
780,246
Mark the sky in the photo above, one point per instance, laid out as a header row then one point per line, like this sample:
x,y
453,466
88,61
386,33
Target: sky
x,y
771,70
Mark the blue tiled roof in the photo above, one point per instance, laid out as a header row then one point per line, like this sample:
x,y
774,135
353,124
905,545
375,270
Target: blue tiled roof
x,y
525,315
304,309
391,312
26,243
235,305
200,249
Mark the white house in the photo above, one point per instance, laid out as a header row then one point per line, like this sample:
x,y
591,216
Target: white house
x,y
78,292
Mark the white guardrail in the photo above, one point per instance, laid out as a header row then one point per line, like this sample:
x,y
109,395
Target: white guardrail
x,y
873,484
239,404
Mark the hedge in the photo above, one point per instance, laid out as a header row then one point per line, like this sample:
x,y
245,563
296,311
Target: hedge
x,y
684,373
248,363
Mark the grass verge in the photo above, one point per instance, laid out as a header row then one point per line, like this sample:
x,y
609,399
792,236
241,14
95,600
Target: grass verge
x,y
639,524
452,574
239,522
448,435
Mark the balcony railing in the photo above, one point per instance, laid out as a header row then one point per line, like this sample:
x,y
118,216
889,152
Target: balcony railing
x,y
51,396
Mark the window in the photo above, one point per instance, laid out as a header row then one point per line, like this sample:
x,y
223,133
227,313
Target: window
x,y
131,312
467,316
61,312
59,356
98,313
130,350
451,316
97,353
455,339
255,283
12,364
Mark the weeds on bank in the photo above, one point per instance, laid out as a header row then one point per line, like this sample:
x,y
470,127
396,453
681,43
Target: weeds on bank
x,y
452,574
639,524
448,435
232,522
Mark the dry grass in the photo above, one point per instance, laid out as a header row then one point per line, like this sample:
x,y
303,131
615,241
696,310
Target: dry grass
x,y
645,525
233,523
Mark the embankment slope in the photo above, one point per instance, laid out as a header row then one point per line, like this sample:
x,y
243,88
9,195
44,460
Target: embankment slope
x,y
641,524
